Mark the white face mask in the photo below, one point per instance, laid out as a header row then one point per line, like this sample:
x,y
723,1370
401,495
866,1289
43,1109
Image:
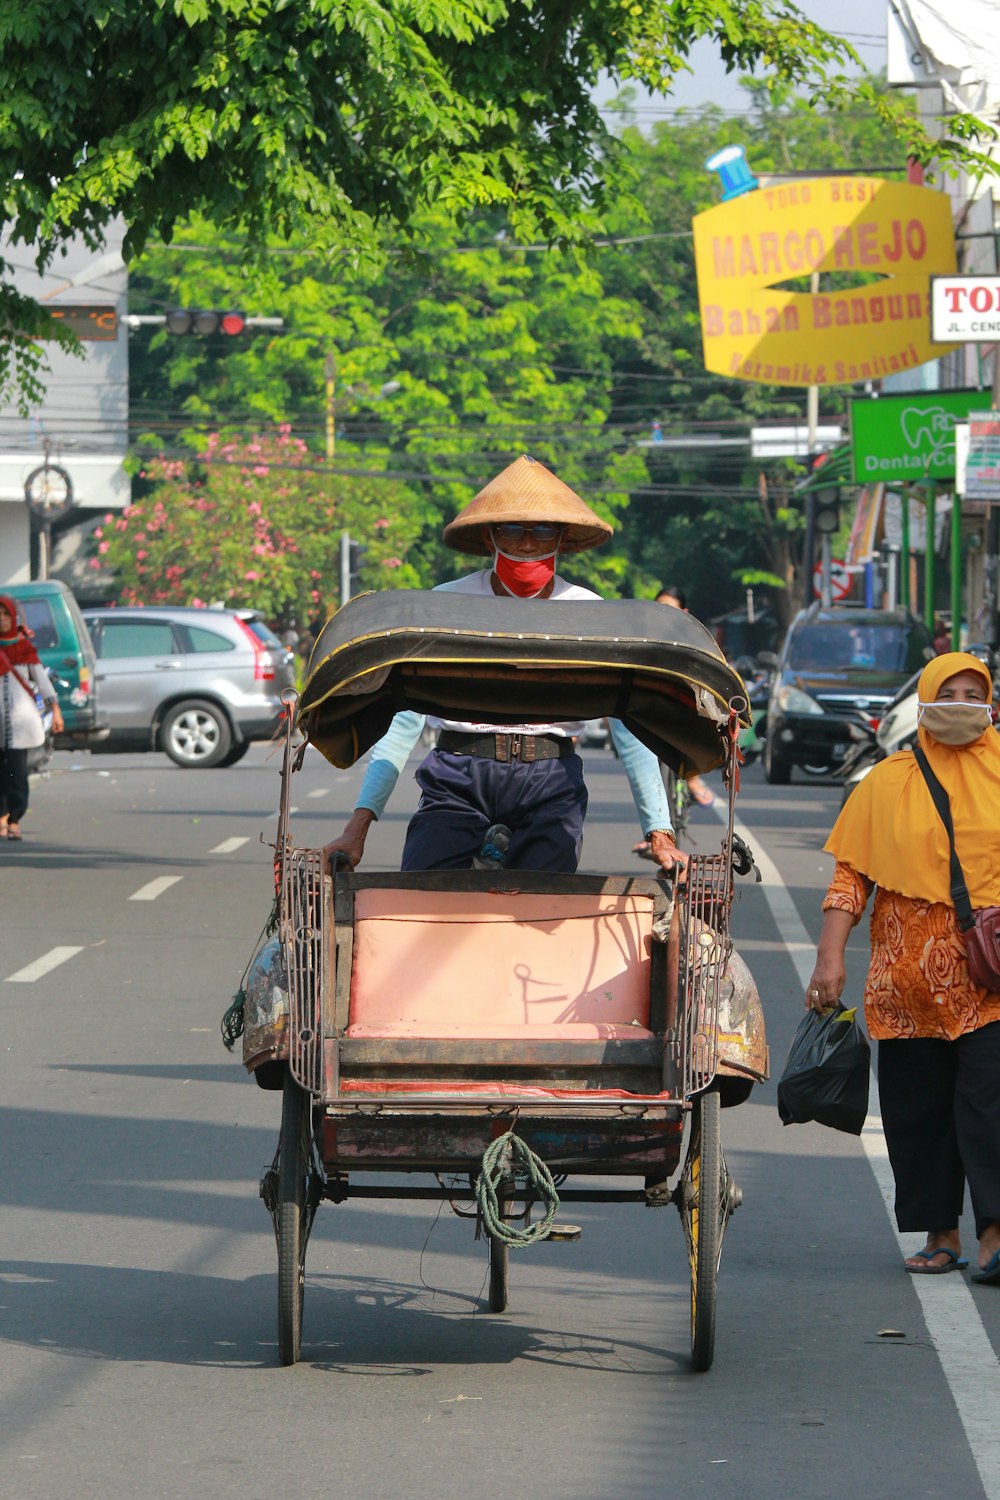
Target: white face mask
x,y
954,723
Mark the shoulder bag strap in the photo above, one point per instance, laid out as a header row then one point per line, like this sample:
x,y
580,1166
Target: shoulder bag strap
x,y
26,685
959,889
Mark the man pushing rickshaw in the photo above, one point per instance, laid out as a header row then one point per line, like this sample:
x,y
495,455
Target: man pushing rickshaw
x,y
522,1034
526,780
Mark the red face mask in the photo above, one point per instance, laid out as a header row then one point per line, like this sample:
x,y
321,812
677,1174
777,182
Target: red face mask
x,y
524,576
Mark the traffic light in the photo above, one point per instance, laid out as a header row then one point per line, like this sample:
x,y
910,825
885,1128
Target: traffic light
x,y
826,511
357,553
204,321
824,499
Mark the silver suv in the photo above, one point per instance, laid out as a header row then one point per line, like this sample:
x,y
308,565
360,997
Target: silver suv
x,y
201,684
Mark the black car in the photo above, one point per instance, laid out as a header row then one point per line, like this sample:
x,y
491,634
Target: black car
x,y
839,669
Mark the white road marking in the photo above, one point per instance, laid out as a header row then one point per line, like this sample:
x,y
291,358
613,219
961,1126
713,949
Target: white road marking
x,y
320,791
43,965
229,846
155,888
967,1358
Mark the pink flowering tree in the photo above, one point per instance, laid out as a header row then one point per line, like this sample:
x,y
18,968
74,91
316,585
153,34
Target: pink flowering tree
x,y
256,522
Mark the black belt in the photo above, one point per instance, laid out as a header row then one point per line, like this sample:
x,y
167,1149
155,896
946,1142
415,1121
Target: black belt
x,y
523,747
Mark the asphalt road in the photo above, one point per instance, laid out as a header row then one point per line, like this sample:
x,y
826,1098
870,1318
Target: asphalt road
x,y
137,1264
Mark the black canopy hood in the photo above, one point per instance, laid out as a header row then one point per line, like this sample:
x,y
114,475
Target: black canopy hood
x,y
509,661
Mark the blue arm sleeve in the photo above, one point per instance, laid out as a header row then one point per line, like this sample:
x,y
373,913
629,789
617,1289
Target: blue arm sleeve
x,y
644,777
388,757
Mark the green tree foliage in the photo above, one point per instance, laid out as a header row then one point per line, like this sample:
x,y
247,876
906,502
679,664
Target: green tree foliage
x,y
323,120
250,522
497,350
494,351
275,117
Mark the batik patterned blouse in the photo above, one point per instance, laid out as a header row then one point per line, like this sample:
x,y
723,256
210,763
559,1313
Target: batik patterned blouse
x,y
918,982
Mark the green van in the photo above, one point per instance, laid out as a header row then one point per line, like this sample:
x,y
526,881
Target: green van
x,y
64,647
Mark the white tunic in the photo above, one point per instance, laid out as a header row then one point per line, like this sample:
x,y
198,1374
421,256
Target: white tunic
x,y
479,583
21,725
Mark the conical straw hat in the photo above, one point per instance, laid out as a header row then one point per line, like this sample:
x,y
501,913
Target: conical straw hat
x,y
526,491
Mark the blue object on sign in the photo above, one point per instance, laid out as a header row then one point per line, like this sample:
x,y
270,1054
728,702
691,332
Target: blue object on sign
x,y
734,171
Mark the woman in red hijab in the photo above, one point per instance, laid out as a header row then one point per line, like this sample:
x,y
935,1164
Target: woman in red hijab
x,y
21,677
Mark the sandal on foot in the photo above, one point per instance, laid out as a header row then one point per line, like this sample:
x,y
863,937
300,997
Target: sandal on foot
x,y
953,1263
14,832
702,795
990,1273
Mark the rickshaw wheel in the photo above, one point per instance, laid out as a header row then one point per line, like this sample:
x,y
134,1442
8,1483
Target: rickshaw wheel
x,y
293,1217
705,1203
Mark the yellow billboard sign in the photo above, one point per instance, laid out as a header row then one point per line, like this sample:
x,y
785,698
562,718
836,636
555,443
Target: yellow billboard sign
x,y
747,250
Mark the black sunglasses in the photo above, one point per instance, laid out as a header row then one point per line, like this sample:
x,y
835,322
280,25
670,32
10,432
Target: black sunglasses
x,y
513,531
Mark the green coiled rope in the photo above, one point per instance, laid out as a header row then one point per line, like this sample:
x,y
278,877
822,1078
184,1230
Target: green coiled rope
x,y
509,1159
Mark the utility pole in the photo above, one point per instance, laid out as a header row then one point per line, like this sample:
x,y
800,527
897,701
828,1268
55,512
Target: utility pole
x,y
812,417
991,562
330,372
345,567
930,535
48,493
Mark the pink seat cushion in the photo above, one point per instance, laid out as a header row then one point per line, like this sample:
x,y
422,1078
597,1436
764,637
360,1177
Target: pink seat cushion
x,y
473,964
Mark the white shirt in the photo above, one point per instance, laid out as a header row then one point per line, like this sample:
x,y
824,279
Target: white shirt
x,y
18,709
479,583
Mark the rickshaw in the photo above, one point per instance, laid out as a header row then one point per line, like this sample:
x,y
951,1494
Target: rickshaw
x,y
535,1039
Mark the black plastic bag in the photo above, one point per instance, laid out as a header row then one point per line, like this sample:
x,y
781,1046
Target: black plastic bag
x,y
826,1075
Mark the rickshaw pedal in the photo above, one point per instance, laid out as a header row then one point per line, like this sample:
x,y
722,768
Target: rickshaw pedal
x,y
564,1232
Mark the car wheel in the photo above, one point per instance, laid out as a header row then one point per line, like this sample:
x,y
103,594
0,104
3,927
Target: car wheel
x,y
777,770
196,734
235,753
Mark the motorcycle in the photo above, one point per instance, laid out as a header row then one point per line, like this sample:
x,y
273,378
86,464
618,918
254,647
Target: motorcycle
x,y
758,683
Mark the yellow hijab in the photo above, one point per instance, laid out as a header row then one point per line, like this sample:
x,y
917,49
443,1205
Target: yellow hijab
x,y
889,828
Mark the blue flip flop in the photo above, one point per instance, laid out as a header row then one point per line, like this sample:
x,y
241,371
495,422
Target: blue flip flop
x,y
954,1263
990,1274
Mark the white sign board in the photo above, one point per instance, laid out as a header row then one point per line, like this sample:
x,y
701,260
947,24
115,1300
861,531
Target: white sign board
x,y
792,442
982,459
965,309
892,510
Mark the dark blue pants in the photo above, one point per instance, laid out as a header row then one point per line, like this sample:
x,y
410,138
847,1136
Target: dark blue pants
x,y
543,803
940,1105
13,784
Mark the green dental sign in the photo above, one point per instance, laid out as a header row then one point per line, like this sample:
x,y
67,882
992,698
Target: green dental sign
x,y
902,439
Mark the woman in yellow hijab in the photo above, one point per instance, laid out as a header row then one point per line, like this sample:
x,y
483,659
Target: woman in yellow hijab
x,y
938,1033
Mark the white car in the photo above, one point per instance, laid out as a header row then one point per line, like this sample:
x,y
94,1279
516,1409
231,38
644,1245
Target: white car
x,y
200,684
595,732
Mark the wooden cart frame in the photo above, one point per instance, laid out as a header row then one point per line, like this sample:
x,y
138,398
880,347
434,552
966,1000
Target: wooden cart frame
x,y
645,1108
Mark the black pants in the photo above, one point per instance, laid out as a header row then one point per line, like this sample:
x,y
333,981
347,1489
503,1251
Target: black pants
x,y
13,784
941,1115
